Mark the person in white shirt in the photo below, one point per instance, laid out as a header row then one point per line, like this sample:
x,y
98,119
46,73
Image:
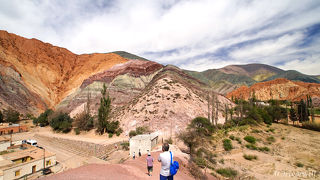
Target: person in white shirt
x,y
165,159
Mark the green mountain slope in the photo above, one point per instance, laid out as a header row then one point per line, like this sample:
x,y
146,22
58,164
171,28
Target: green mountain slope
x,y
294,76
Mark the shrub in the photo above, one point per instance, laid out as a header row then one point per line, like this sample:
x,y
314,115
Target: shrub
x,y
201,162
227,145
263,148
43,119
250,157
142,130
239,140
221,161
250,139
299,164
251,146
227,172
84,121
195,171
271,130
61,122
11,115
256,131
132,133
311,126
125,145
232,137
271,139
202,126
110,135
77,131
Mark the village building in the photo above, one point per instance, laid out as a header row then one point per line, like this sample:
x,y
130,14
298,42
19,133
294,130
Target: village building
x,y
4,143
24,160
144,143
6,128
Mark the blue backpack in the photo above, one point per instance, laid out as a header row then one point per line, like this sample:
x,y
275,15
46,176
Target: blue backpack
x,y
174,166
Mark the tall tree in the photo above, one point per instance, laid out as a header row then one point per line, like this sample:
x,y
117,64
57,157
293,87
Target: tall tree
x,y
293,115
302,111
104,111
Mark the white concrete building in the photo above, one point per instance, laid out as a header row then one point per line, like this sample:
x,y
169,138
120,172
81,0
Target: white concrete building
x,y
144,143
24,160
4,143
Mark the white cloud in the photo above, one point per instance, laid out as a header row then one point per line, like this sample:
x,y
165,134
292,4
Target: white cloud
x,y
191,28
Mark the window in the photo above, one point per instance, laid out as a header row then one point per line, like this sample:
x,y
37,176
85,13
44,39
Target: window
x,y
48,163
17,173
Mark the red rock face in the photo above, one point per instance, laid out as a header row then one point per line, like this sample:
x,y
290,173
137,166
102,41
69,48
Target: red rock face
x,y
281,89
134,68
50,72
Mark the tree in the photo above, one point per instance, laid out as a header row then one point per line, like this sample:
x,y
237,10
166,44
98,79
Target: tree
x,y
190,138
104,111
61,122
293,115
42,120
201,126
1,117
302,111
84,120
11,115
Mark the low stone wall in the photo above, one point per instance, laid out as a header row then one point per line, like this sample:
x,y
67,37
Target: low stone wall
x,y
82,148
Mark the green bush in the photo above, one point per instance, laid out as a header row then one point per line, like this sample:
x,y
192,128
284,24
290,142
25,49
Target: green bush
x,y
271,139
43,119
227,145
256,131
132,133
77,131
227,172
232,137
110,135
251,146
61,122
11,115
201,162
299,164
250,139
263,148
125,145
250,157
271,130
311,126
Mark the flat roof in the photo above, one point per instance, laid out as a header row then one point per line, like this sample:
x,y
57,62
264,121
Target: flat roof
x,y
36,153
145,136
3,139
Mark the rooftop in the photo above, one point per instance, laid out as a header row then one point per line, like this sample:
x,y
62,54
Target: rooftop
x,y
145,136
22,151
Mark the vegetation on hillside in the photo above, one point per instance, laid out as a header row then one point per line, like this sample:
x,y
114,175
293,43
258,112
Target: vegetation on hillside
x,y
11,116
104,124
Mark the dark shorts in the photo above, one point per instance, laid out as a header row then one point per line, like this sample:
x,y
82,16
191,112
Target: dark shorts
x,y
166,177
150,168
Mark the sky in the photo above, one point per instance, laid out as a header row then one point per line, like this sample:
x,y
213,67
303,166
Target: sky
x,y
191,34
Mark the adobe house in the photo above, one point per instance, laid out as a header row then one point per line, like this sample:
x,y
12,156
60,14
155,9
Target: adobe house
x,y
6,128
24,160
144,142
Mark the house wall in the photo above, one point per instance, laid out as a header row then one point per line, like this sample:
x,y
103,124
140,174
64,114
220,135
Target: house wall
x,y
13,129
144,145
4,145
26,168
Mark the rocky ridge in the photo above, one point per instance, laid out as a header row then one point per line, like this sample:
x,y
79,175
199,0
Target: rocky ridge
x,y
281,89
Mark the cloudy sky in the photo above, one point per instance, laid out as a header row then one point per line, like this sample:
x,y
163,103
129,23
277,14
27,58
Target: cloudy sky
x,y
194,35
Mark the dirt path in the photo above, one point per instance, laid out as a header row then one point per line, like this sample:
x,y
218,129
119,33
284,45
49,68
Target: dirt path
x,y
131,169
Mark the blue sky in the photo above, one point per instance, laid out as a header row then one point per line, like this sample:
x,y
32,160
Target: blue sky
x,y
192,34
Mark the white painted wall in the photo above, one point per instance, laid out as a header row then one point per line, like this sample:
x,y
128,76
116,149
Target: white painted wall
x,y
26,168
